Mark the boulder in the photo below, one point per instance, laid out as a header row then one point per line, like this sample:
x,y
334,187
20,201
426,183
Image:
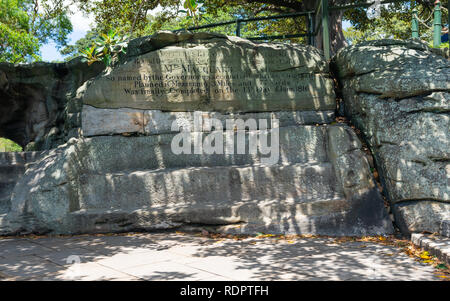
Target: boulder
x,y
215,73
398,94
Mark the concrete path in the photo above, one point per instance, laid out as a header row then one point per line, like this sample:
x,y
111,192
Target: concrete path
x,y
174,256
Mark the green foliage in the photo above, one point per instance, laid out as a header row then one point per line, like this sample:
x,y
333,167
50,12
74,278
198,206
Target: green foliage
x,y
7,145
25,25
395,22
207,15
204,17
72,51
106,48
114,14
17,43
191,9
134,17
443,45
279,27
393,28
249,9
122,14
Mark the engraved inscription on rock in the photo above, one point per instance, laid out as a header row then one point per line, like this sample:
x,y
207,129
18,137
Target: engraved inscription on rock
x,y
217,76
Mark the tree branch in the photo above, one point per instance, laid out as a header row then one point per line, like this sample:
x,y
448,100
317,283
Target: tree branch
x,y
295,5
135,19
270,9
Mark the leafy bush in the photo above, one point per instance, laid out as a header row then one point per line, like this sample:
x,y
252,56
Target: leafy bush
x,y
192,10
106,48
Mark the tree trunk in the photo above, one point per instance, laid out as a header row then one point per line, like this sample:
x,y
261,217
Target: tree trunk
x,y
337,39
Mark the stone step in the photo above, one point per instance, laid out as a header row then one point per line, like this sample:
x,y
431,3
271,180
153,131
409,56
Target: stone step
x,y
323,185
96,122
334,217
4,209
7,185
296,144
12,168
13,171
301,182
13,164
8,158
6,188
5,206
438,246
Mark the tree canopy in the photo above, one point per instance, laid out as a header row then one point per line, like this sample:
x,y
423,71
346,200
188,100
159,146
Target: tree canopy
x,y
394,22
133,16
26,25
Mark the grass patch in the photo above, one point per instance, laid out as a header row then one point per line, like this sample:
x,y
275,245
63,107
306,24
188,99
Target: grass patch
x,y
7,145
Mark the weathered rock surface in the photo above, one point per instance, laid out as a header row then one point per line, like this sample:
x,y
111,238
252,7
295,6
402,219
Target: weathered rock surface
x,y
12,168
130,172
96,122
34,98
207,72
398,94
321,184
445,228
436,245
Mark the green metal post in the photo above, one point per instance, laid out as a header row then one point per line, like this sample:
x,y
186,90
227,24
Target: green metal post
x,y
325,29
437,24
238,28
415,25
310,29
313,30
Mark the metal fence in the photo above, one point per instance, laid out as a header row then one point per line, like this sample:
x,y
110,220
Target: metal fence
x,y
239,22
318,22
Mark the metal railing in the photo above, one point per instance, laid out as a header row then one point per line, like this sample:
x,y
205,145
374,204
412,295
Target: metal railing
x,y
239,22
318,20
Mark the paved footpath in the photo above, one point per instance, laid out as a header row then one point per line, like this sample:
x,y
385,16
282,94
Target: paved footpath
x,y
174,256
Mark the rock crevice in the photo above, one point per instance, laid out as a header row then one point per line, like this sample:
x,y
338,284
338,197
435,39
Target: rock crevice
x,y
402,110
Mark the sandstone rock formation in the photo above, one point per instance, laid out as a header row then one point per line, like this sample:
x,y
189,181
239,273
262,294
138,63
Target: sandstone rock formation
x,y
322,184
34,101
127,176
12,168
211,73
398,94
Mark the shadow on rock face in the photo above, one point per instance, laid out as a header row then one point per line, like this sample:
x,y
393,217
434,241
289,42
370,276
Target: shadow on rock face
x,y
398,94
33,98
